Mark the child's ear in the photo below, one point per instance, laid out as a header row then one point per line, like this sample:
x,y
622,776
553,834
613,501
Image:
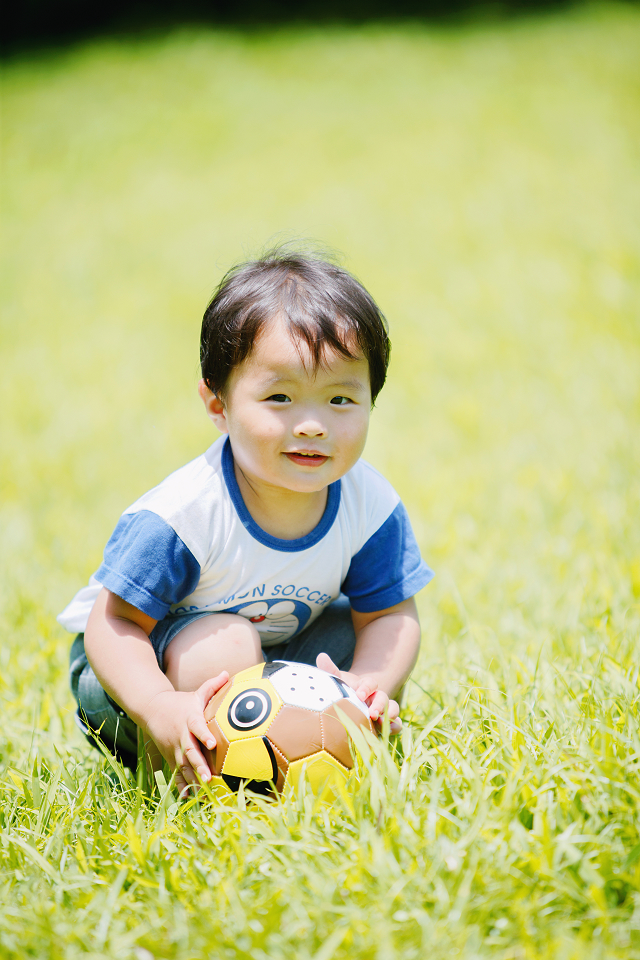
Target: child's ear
x,y
214,407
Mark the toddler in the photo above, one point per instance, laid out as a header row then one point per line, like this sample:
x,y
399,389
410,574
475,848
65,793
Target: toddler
x,y
278,542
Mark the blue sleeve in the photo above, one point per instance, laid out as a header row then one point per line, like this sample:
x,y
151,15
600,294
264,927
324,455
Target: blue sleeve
x,y
388,569
147,564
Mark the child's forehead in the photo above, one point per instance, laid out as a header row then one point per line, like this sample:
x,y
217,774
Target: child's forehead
x,y
278,350
275,337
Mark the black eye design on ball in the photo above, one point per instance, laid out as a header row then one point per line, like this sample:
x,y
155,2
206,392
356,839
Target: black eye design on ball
x,y
249,709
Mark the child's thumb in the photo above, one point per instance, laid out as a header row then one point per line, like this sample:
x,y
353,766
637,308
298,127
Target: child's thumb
x,y
209,688
324,662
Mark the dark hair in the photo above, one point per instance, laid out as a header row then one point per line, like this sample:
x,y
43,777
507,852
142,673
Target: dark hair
x,y
322,304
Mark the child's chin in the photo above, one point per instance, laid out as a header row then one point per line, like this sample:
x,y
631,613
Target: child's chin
x,y
308,484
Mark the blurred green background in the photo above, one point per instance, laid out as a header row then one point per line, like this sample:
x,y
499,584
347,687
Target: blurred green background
x,y
482,180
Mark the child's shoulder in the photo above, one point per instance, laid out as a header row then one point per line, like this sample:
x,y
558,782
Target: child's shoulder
x,y
366,492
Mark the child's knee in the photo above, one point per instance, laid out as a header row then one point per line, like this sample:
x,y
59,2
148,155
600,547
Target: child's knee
x,y
207,646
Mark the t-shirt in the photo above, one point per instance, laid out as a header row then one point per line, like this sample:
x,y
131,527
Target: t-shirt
x,y
191,545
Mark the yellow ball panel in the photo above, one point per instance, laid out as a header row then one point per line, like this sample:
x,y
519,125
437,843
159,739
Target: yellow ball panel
x,y
321,769
248,759
251,673
220,791
237,689
217,785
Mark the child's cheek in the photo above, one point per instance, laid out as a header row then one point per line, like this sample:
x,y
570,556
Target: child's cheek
x,y
272,424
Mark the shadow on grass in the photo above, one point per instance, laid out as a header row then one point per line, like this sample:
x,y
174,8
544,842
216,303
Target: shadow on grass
x,y
38,26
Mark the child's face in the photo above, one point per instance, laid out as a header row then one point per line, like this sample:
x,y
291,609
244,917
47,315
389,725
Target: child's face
x,y
290,426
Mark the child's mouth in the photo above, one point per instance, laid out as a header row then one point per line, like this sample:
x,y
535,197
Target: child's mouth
x,y
307,459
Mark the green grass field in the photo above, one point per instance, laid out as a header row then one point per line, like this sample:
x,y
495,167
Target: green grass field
x,y
484,182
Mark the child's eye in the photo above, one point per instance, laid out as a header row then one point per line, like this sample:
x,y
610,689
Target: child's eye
x,y
340,400
279,398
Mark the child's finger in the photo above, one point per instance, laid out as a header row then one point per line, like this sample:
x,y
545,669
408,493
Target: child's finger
x,y
363,686
185,774
189,790
394,727
324,662
366,688
198,764
394,709
198,727
209,688
181,784
378,705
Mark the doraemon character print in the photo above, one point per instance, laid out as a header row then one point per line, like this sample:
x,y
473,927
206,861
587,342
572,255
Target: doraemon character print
x,y
275,620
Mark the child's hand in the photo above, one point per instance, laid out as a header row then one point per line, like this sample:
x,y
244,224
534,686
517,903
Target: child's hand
x,y
366,688
175,722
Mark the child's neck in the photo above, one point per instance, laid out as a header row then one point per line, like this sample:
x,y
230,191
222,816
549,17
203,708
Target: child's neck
x,y
282,513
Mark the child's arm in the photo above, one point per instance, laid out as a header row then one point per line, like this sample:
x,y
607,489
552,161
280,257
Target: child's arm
x,y
119,650
387,644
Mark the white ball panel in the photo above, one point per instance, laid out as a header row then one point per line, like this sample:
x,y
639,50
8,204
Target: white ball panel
x,y
304,686
349,693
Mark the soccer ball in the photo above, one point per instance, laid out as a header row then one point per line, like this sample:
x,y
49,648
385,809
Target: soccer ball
x,y
277,722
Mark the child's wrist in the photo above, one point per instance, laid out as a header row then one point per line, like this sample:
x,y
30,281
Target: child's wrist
x,y
145,715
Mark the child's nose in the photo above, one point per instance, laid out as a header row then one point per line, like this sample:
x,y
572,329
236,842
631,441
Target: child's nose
x,y
310,428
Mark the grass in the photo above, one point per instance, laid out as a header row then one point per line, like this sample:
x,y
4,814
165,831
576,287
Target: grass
x,y
483,182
